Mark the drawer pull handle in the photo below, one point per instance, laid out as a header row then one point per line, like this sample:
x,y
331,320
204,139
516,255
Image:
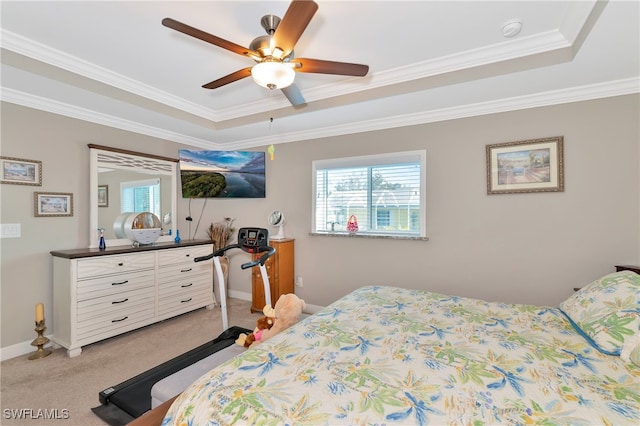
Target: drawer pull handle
x,y
121,319
119,301
188,300
187,255
186,270
120,264
186,285
121,282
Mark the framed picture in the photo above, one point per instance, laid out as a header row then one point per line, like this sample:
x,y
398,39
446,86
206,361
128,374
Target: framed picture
x,y
534,165
53,204
103,195
19,171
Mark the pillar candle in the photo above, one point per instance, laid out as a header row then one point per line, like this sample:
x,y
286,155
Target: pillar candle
x,y
39,312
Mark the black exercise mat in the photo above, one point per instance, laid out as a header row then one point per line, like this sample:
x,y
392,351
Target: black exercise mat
x,y
132,398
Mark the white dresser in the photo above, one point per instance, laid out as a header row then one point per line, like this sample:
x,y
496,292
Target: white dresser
x,y
100,294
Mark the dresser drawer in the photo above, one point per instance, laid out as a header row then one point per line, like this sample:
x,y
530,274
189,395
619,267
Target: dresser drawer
x,y
121,303
115,284
185,302
185,286
184,271
183,255
106,265
114,323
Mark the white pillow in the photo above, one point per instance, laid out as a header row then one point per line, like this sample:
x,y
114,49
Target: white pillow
x,y
607,311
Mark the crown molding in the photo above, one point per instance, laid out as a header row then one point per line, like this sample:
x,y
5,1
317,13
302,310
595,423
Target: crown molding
x,y
555,97
549,42
48,55
49,105
549,98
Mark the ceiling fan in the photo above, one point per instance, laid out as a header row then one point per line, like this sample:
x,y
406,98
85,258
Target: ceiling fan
x,y
276,65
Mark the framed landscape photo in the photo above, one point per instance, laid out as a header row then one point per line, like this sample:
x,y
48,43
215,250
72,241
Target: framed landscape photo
x,y
19,171
103,196
53,204
535,165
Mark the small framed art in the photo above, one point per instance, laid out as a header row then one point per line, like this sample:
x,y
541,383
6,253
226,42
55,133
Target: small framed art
x,y
53,204
535,165
103,196
19,171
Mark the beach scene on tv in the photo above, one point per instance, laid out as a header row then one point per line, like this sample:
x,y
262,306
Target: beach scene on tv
x,y
222,174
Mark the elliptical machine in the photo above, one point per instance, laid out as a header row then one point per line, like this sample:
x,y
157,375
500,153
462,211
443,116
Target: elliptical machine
x,y
250,240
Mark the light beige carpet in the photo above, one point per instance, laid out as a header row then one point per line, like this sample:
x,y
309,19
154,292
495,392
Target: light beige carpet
x,y
68,387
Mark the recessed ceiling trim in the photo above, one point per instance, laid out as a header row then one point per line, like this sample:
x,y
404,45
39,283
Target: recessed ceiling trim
x,y
522,47
577,17
43,53
45,104
555,97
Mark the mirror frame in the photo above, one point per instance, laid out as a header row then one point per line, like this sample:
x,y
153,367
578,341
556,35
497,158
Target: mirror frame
x,y
274,214
165,166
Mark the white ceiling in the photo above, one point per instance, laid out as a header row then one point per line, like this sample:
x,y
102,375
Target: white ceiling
x,y
113,63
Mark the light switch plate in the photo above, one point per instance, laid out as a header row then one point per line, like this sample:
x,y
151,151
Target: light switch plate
x,y
10,230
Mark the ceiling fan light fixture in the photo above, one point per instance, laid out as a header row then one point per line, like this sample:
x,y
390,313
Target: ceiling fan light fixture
x,y
273,75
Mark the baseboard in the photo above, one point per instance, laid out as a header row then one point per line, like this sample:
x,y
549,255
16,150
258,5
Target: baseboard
x,y
242,295
309,309
20,349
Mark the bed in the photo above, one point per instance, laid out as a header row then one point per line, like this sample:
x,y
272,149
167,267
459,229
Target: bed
x,y
389,355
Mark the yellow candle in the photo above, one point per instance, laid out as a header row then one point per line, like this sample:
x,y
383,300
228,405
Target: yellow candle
x,y
39,312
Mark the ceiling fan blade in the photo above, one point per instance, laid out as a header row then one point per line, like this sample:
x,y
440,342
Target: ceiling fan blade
x,y
293,94
293,24
209,38
234,76
318,66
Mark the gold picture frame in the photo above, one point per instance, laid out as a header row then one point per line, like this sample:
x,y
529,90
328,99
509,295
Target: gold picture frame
x,y
18,171
103,195
49,204
535,165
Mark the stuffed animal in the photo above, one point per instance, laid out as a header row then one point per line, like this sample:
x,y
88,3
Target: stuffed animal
x,y
286,313
263,323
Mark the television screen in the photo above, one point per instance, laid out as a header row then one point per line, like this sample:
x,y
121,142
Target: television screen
x,y
222,174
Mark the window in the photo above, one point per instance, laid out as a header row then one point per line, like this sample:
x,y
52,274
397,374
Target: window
x,y
385,192
140,196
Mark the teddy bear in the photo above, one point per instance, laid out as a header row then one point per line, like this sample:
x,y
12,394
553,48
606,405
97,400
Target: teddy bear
x,y
286,312
262,323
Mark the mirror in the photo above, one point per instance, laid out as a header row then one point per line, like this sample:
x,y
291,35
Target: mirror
x,y
276,219
113,169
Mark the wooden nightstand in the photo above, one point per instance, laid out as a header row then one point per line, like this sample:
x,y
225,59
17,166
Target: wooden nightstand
x,y
633,268
281,275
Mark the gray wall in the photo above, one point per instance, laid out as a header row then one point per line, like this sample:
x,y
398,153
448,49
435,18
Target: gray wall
x,y
524,248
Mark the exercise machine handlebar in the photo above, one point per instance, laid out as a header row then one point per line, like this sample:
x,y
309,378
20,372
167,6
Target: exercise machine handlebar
x,y
270,251
259,261
253,241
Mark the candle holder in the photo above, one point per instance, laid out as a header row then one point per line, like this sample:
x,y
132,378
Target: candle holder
x,y
39,342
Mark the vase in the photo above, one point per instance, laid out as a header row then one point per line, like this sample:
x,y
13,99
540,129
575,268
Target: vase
x,y
224,264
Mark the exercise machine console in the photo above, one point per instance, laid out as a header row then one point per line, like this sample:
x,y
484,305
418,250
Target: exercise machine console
x,y
250,240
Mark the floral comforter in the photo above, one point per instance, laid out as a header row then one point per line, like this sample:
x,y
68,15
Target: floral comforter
x,y
387,355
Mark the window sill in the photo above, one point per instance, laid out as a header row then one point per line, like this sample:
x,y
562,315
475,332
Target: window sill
x,y
373,236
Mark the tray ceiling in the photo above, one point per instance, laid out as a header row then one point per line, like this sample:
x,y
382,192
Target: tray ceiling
x,y
113,63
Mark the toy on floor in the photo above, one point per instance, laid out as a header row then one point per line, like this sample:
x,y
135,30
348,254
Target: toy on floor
x,y
263,323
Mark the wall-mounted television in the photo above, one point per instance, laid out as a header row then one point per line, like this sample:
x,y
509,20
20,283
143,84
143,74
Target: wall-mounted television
x,y
222,174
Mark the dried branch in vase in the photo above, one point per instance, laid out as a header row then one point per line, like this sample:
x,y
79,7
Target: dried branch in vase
x,y
220,233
